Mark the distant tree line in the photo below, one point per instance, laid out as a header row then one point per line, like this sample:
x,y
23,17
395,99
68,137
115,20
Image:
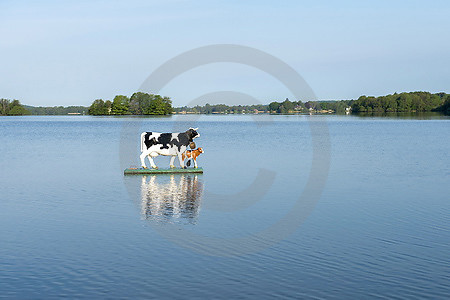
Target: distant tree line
x,y
56,110
404,102
138,104
221,109
275,107
286,106
282,107
12,108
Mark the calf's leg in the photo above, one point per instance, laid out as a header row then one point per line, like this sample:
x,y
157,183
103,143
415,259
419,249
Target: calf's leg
x,y
180,158
195,162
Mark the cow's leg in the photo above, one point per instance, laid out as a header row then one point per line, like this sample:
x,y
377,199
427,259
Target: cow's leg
x,y
172,160
152,163
143,155
180,158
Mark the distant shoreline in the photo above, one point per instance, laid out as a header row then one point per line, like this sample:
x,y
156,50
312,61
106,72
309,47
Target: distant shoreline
x,y
424,114
142,104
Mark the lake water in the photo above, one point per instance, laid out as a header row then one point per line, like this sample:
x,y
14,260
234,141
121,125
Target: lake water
x,y
288,207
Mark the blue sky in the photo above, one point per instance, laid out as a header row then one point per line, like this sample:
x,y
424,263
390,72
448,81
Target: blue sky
x,y
72,52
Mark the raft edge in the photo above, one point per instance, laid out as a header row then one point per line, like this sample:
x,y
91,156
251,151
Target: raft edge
x,y
141,171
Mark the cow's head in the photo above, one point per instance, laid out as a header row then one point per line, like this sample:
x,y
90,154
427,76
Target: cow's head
x,y
192,133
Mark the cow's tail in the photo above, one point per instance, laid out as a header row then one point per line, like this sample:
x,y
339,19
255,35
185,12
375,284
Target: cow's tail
x,y
142,141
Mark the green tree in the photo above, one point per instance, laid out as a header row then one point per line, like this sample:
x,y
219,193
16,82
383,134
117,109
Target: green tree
x,y
108,107
134,106
390,103
288,105
445,107
18,110
404,102
156,106
120,105
149,104
168,109
274,106
207,109
313,105
14,108
416,103
435,101
98,108
282,110
4,107
140,103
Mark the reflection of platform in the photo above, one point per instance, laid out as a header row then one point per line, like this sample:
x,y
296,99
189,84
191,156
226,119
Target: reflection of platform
x,y
140,171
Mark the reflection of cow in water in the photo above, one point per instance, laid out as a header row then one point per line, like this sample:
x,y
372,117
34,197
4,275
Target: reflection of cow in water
x,y
168,198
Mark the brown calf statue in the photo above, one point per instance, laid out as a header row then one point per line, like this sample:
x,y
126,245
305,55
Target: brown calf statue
x,y
192,154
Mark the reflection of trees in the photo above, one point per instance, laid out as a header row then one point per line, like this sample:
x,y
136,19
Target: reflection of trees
x,y
167,198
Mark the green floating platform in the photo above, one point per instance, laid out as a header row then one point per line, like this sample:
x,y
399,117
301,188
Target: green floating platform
x,y
140,171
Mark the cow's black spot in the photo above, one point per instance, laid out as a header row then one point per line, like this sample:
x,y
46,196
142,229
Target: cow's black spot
x,y
183,140
149,142
164,140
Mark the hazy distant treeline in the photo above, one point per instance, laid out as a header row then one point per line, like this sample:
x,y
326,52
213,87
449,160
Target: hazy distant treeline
x,y
138,104
12,108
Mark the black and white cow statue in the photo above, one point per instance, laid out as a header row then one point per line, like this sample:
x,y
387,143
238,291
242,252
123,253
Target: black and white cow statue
x,y
167,144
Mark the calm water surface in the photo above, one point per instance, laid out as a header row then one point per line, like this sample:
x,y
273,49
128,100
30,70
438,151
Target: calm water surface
x,y
72,225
